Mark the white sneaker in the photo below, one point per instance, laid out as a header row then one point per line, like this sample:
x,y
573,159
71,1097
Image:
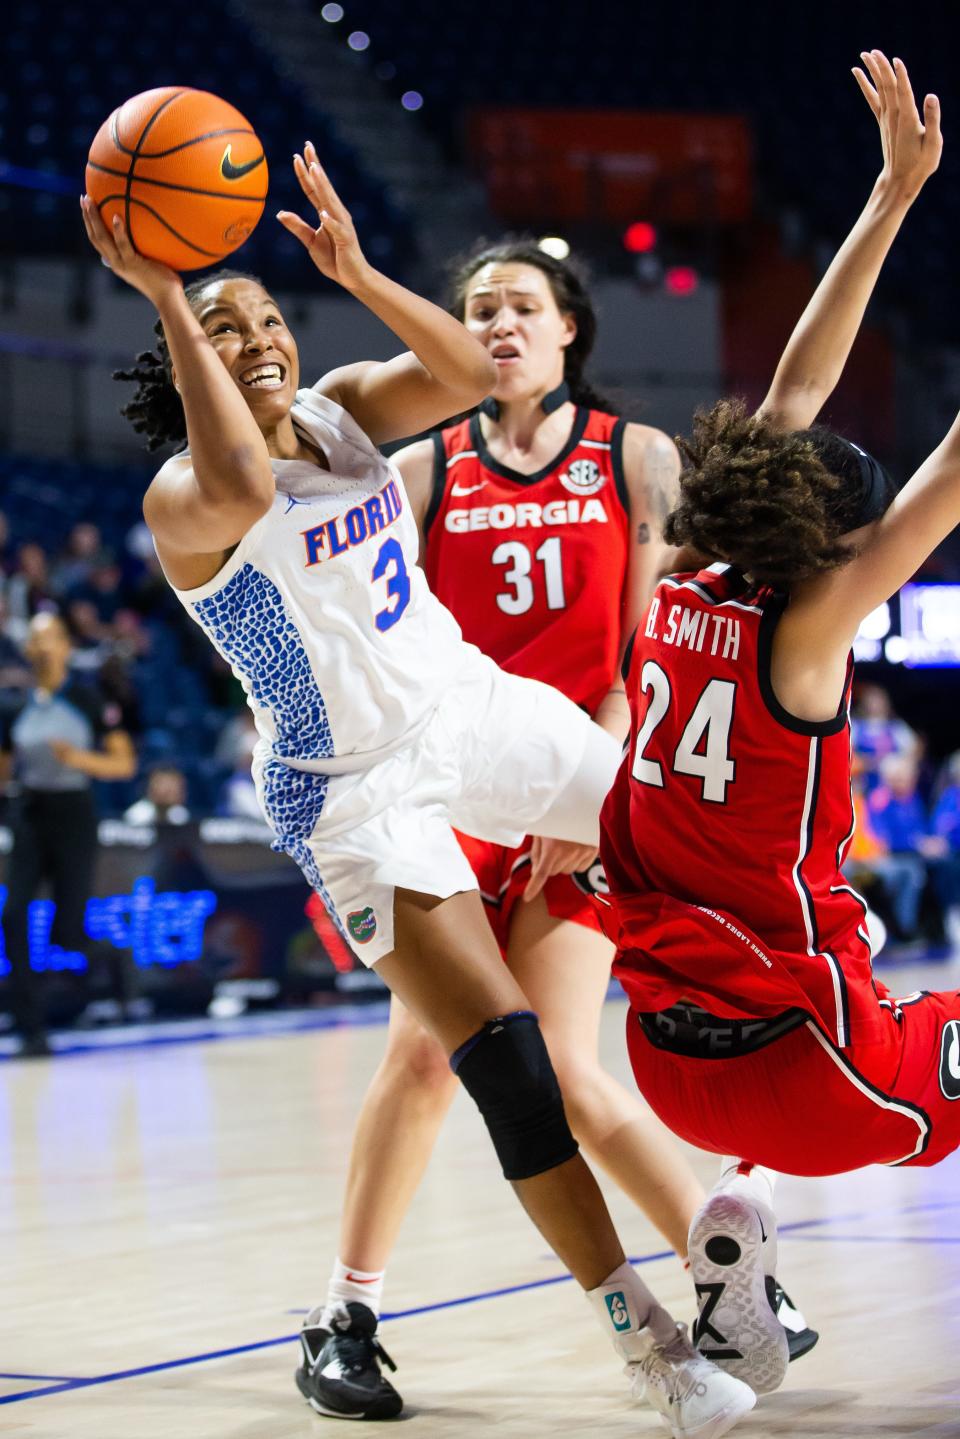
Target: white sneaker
x,y
737,1327
694,1398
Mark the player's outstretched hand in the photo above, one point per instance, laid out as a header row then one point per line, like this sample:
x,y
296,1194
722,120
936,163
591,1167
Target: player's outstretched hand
x,y
555,856
116,250
911,146
333,246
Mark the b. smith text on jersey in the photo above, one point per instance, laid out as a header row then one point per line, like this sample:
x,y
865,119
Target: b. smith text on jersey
x,y
698,630
335,536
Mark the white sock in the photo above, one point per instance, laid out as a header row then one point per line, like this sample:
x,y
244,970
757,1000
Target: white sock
x,y
349,1286
624,1305
755,1184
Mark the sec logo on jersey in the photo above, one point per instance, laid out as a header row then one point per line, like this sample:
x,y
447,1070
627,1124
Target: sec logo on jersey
x,y
583,477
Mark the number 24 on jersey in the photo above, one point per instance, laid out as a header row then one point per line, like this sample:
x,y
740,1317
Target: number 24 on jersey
x,y
704,747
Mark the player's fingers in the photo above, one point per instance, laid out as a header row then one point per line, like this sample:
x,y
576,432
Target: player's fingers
x,y
886,77
96,229
121,239
905,100
539,870
305,233
331,199
869,93
873,70
931,122
306,180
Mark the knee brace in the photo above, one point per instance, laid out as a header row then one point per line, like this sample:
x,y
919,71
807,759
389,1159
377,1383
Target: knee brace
x,y
506,1070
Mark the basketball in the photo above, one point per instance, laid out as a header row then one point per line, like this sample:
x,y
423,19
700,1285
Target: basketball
x,y
184,171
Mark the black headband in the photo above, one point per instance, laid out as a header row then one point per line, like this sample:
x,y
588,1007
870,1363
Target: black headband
x,y
876,487
871,485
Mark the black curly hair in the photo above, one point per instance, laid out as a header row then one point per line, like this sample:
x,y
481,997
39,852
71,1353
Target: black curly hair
x,y
569,283
156,410
773,503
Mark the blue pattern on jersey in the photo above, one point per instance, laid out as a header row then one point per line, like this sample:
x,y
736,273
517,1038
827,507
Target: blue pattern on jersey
x,y
248,623
293,801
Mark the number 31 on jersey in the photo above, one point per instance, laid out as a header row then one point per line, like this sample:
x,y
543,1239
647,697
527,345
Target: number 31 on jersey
x,y
704,748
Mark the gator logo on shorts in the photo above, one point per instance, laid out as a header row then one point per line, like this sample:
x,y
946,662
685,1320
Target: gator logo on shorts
x,y
950,1060
362,924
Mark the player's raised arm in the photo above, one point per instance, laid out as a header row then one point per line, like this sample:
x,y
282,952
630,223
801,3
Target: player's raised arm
x,y
818,348
228,484
445,369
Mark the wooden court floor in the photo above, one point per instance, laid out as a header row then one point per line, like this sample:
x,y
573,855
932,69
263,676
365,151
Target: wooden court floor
x,y
167,1213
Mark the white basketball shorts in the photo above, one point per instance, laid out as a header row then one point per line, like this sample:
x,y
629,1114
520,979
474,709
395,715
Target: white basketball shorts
x,y
499,758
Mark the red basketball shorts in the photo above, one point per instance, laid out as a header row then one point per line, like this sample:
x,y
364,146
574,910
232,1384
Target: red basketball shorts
x,y
801,1105
502,875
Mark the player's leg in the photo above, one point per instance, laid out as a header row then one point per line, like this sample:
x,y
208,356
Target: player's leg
x,y
446,969
397,1127
400,1118
564,969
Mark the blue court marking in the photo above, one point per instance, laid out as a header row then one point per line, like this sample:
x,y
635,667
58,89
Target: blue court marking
x,y
797,1228
43,1378
70,1384
881,1238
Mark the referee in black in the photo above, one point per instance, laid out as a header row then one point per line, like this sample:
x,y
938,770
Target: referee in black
x,y
63,737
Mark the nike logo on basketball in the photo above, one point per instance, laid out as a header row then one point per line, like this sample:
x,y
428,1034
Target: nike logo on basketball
x,y
466,489
950,1060
230,171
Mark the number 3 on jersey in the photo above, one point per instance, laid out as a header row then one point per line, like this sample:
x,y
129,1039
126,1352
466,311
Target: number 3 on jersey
x,y
398,584
704,748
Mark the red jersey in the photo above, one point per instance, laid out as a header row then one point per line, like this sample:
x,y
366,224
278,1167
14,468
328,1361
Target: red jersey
x,y
728,822
534,566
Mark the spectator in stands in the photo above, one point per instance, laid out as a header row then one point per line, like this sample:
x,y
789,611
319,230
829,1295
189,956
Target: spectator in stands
x,y
878,732
945,824
28,590
14,670
83,552
64,736
165,801
899,820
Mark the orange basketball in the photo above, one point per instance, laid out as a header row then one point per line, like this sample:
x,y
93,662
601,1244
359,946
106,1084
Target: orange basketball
x,y
184,171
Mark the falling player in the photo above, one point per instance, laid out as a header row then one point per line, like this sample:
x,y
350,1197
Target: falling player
x,y
289,540
542,518
756,1026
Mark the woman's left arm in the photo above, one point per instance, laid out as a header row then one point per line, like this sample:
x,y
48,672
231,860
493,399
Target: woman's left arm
x,y
444,371
651,467
117,759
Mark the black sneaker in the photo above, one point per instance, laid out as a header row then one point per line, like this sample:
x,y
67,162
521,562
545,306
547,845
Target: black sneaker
x,y
800,1337
340,1374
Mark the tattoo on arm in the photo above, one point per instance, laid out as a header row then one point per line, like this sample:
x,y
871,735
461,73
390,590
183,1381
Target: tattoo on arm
x,y
643,533
662,488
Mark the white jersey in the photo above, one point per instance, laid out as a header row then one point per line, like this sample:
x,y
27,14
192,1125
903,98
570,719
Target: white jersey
x,y
322,611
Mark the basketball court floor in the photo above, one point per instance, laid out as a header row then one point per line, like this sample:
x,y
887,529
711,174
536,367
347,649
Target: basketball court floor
x,y
169,1210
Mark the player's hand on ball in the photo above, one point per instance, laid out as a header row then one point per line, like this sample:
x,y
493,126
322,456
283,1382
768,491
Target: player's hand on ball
x,y
555,856
116,251
911,146
333,246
